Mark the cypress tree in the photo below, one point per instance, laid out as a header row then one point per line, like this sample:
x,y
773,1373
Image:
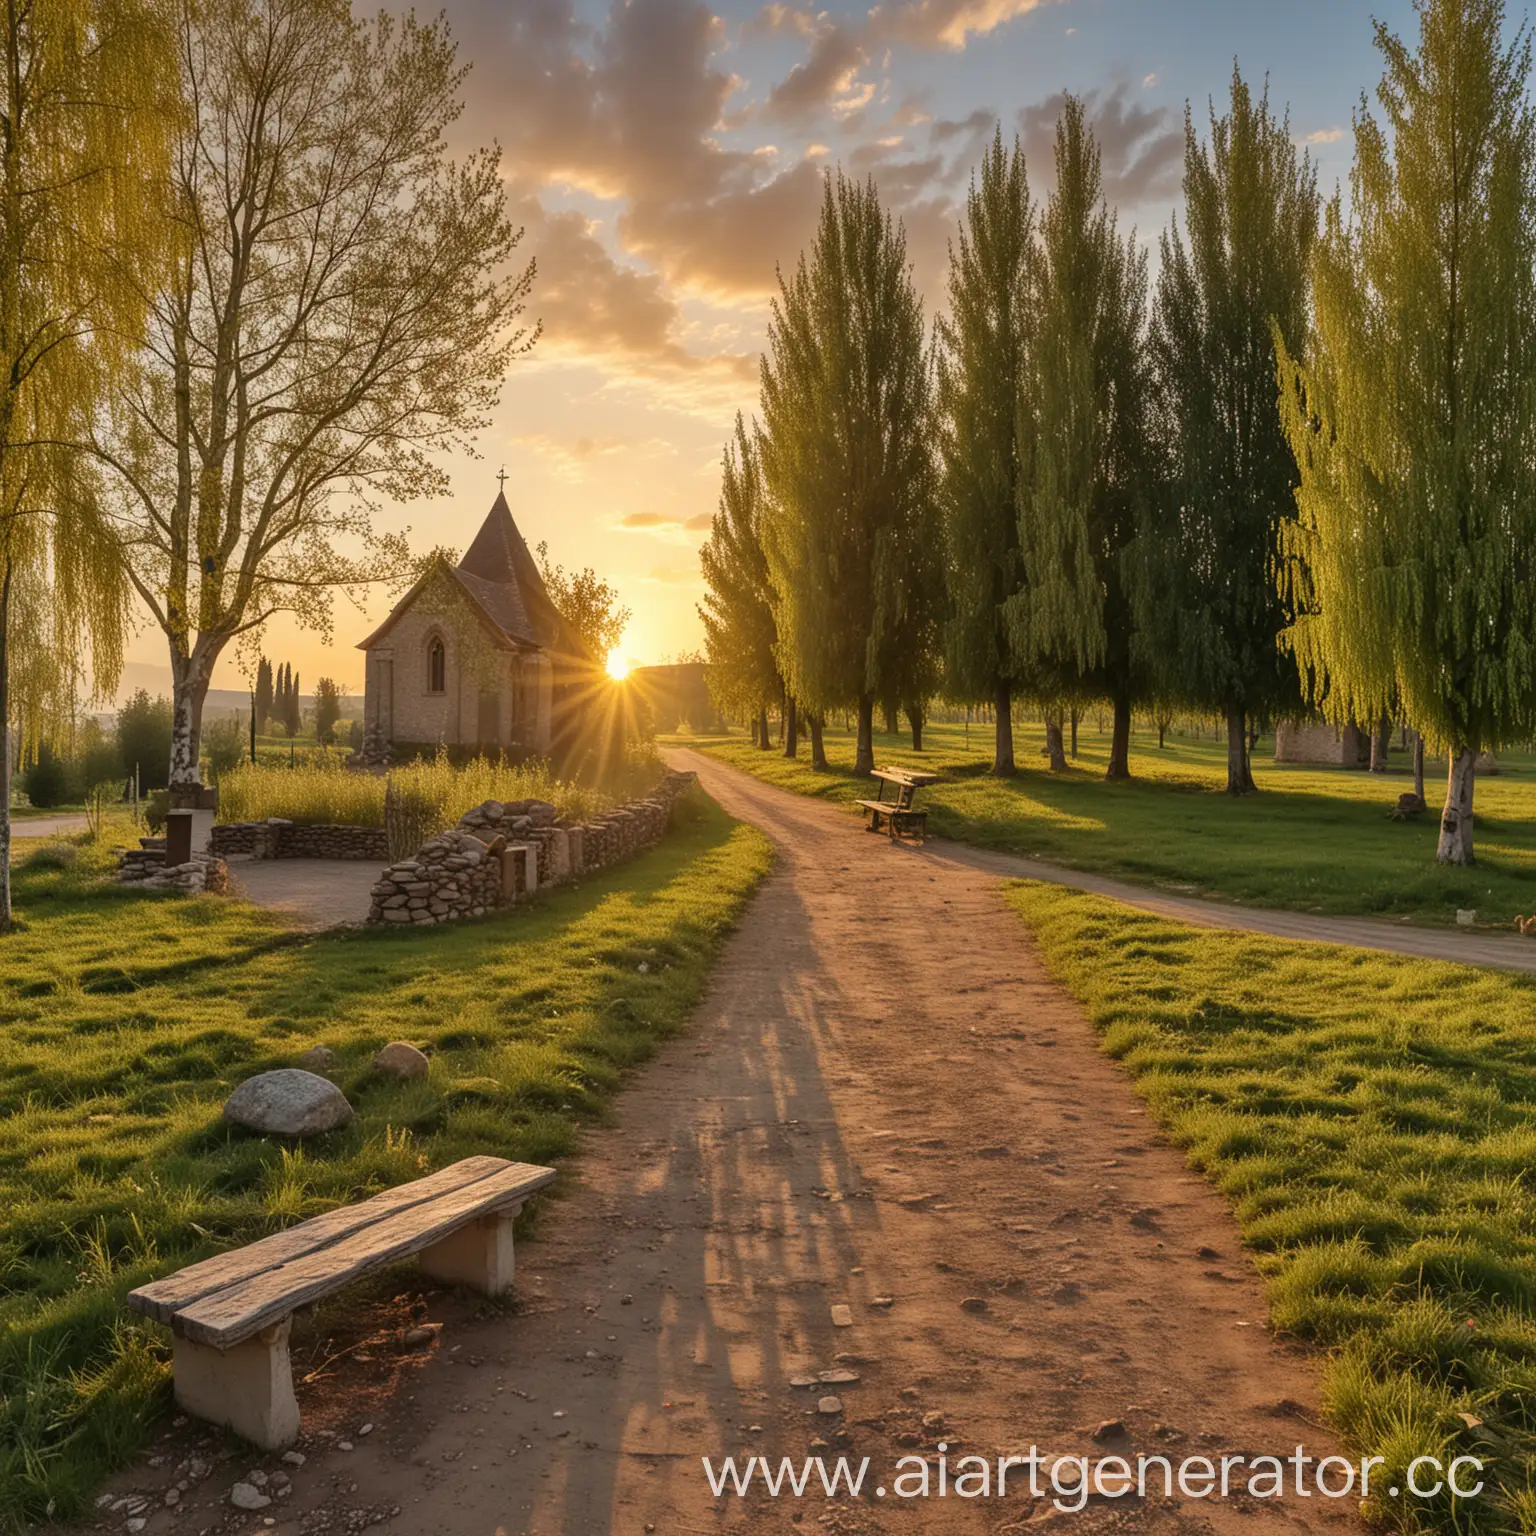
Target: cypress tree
x,y
1413,415
849,532
980,368
1210,606
1085,450
739,631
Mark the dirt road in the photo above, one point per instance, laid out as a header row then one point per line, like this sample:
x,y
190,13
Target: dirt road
x,y
884,1106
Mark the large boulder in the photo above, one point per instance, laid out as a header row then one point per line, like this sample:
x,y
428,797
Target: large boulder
x,y
288,1102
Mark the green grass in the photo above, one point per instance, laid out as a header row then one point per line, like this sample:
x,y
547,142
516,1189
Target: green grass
x,y
126,1019
1372,1121
1313,840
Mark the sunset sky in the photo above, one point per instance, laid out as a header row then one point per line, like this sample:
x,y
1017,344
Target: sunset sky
x,y
666,155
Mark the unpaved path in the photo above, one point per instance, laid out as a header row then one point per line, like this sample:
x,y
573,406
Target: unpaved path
x,y
882,1097
311,893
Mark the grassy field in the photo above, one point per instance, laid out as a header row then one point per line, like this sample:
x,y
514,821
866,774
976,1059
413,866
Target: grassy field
x,y
1313,839
126,1019
1373,1122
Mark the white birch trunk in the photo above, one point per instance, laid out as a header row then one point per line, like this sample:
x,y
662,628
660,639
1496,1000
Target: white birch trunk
x,y
1456,819
189,678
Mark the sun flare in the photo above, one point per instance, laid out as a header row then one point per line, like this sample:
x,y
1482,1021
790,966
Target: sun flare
x,y
618,665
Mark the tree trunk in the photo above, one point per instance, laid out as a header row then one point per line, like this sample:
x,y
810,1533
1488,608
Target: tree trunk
x,y
1456,819
791,729
1239,769
1162,731
1003,764
764,740
1053,744
1418,764
1074,734
1381,744
864,752
892,724
1120,740
915,720
189,688
5,748
816,724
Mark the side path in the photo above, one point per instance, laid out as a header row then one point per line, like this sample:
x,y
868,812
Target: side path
x,y
1498,951
888,1149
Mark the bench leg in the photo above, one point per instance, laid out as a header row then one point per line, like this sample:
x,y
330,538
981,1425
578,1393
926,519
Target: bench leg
x,y
247,1388
479,1255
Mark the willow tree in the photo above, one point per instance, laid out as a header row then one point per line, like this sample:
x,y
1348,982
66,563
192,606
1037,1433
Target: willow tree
x,y
739,632
1211,607
981,361
339,315
84,127
849,533
1413,414
1084,446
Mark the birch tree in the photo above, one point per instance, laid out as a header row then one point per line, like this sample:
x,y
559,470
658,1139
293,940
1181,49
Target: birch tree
x,y
982,348
1211,605
1412,413
1084,443
339,314
85,121
850,532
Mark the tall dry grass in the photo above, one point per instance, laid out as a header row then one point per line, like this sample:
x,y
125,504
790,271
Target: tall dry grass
x,y
422,798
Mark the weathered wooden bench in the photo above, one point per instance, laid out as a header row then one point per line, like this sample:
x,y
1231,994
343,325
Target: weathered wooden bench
x,y
230,1315
898,815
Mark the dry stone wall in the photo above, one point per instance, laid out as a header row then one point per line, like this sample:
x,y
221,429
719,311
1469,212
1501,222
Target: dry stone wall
x,y
145,867
503,851
280,839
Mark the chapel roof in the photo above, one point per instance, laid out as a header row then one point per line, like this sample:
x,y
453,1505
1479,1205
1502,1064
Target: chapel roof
x,y
505,585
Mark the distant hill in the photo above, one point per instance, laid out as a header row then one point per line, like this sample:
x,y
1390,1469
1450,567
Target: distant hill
x,y
220,701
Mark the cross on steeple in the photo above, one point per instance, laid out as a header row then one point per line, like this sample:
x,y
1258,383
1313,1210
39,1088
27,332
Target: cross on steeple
x,y
501,478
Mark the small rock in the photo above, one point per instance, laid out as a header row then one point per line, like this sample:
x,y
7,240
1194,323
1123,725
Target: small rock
x,y
172,1497
883,1301
367,1429
829,1405
841,1377
256,1479
244,1496
933,1419
974,1304
644,967
399,1059
288,1102
1111,1429
343,1445
317,1058
136,1524
842,1315
294,1458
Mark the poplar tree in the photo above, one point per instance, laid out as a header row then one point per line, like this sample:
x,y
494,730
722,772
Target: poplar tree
x,y
85,123
1413,411
850,534
1210,605
1084,444
739,632
340,312
982,346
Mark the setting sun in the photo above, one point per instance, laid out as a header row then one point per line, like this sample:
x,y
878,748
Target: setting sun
x,y
618,665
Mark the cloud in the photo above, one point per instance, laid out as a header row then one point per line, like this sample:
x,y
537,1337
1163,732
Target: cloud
x,y
1142,148
946,24
572,456
1324,136
826,78
666,525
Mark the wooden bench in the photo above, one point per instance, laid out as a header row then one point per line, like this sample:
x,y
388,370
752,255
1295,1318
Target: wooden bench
x,y
898,815
230,1315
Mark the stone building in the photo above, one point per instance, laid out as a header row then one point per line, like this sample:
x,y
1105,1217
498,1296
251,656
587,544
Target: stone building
x,y
476,654
1315,741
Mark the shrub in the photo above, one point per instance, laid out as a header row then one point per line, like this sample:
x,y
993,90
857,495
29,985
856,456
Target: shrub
x,y
157,806
47,780
53,856
144,739
225,742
